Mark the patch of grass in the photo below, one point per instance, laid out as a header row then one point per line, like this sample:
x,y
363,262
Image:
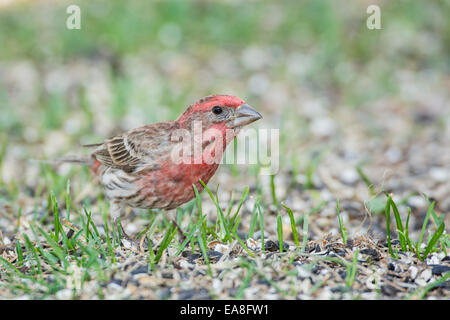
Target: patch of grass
x,y
202,244
403,232
391,204
224,227
431,246
49,258
241,202
170,233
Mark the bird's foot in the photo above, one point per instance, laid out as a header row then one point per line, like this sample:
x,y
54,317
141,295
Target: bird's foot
x,y
128,242
180,232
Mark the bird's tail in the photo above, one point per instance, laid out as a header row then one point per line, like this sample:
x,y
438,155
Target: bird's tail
x,y
86,161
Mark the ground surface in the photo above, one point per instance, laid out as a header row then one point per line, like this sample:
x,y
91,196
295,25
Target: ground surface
x,y
360,112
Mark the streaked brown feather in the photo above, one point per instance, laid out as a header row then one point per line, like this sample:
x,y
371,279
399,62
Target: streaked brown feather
x,y
139,149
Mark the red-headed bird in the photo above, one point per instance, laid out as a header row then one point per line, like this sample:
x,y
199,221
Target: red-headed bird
x,y
148,167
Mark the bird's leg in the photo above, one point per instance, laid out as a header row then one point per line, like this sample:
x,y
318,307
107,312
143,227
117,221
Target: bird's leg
x,y
173,219
116,211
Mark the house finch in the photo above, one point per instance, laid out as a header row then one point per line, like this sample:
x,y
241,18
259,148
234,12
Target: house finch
x,y
156,165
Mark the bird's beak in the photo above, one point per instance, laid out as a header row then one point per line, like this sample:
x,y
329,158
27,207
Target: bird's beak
x,y
244,115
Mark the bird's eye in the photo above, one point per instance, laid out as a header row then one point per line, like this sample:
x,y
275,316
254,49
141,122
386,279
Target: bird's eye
x,y
217,110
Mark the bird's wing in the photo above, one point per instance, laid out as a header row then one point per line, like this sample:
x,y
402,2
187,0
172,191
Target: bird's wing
x,y
141,148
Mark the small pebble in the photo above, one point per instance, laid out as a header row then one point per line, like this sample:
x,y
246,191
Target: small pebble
x,y
217,285
145,280
413,272
438,174
64,294
323,127
434,259
141,269
371,252
389,290
393,155
303,273
349,176
114,286
426,275
252,244
214,255
271,246
221,248
164,293
417,202
440,269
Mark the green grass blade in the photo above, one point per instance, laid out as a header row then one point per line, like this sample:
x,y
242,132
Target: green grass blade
x,y
242,243
408,240
433,241
236,224
203,246
424,226
261,227
32,251
293,227
190,235
8,265
342,228
56,248
399,223
436,219
366,180
228,237
198,200
165,242
241,202
388,227
19,252
54,204
253,220
68,200
280,232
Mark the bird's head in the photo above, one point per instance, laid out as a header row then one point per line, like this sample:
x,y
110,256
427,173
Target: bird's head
x,y
222,112
213,121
